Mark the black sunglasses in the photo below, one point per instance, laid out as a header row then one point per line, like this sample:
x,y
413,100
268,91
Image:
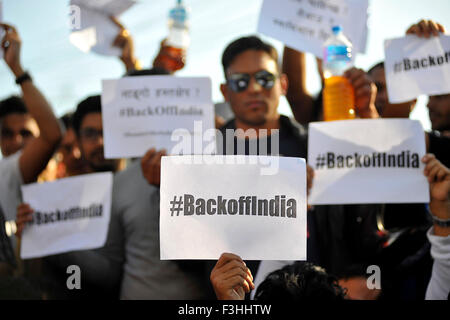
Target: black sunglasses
x,y
239,82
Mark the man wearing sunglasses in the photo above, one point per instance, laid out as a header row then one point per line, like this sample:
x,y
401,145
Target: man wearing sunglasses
x,y
253,85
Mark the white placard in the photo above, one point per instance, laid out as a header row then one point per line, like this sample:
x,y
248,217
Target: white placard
x,y
162,112
227,205
91,26
367,161
306,24
69,214
416,66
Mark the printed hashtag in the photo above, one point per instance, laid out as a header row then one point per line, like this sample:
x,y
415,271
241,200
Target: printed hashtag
x,y
176,206
320,161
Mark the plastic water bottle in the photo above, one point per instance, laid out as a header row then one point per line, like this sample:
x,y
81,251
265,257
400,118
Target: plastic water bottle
x,y
178,39
338,93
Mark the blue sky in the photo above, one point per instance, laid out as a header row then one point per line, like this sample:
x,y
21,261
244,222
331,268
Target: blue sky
x,y
66,75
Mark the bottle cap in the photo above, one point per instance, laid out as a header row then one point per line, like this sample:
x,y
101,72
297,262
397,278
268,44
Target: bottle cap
x,y
336,29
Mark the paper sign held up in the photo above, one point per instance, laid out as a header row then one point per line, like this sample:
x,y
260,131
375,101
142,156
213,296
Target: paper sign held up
x,y
367,161
416,66
305,24
162,112
225,204
69,214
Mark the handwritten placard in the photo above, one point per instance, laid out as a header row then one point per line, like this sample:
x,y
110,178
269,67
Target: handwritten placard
x,y
161,112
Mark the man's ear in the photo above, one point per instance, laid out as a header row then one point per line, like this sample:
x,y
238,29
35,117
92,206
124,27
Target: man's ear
x,y
284,83
224,89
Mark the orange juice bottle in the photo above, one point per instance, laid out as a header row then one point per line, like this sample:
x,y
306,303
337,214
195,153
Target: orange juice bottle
x,y
338,93
178,39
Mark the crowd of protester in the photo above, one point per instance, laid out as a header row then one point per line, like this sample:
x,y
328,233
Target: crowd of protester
x,y
411,247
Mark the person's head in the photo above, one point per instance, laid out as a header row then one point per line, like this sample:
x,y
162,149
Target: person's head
x,y
69,152
439,111
17,127
87,123
299,281
254,83
384,108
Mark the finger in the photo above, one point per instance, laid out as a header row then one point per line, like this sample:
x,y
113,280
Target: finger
x,y
23,205
6,42
310,170
24,210
148,155
414,29
364,91
433,171
424,31
235,271
428,157
353,74
156,158
238,281
433,27
116,22
155,167
250,274
19,231
157,174
440,27
430,165
119,41
360,80
441,175
8,27
24,219
233,265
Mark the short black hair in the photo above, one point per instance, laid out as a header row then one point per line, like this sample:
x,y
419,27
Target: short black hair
x,y
148,72
378,65
243,44
91,104
297,282
13,104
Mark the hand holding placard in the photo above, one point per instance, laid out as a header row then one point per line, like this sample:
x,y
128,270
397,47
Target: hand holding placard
x,y
418,64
